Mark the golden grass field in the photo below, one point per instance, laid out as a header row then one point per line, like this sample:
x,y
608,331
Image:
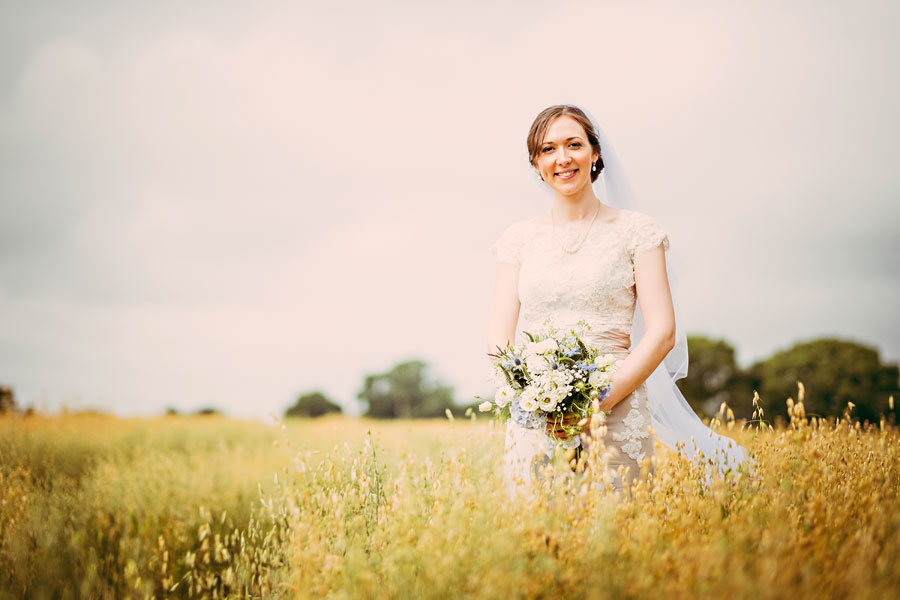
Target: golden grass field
x,y
100,507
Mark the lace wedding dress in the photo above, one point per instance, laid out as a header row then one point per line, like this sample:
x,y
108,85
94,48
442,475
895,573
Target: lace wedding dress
x,y
596,285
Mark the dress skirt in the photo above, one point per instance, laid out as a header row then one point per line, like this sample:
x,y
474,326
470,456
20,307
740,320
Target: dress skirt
x,y
628,440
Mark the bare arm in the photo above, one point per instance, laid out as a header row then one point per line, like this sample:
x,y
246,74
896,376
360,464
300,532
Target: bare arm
x,y
504,307
655,299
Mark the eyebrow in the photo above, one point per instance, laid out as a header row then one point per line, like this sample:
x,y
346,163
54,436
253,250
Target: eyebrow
x,y
575,137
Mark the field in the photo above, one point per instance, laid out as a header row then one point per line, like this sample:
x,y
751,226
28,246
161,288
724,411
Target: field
x,y
99,507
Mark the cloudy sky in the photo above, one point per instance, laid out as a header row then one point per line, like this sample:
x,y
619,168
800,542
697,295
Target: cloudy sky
x,y
228,204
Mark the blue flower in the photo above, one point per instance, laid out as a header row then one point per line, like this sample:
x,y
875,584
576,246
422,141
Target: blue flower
x,y
528,420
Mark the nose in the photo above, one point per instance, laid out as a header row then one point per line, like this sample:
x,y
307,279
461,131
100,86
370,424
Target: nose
x,y
562,156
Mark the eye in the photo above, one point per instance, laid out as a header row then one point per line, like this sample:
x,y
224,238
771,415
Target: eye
x,y
546,149
575,144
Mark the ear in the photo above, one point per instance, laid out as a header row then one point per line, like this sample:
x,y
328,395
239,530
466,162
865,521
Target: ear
x,y
595,157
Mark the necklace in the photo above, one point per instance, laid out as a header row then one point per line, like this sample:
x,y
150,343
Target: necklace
x,y
583,239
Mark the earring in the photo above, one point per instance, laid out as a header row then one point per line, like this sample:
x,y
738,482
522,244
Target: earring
x,y
594,167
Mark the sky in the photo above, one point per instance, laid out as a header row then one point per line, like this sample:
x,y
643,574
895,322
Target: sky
x,y
230,204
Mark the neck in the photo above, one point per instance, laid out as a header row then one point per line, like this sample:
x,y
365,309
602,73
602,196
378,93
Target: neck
x,y
576,207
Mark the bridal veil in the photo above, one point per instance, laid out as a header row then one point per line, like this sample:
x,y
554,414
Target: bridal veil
x,y
672,419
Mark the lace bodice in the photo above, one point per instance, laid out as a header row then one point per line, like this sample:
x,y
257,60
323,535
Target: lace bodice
x,y
595,284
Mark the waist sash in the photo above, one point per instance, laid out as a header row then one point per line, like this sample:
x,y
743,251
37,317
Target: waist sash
x,y
611,340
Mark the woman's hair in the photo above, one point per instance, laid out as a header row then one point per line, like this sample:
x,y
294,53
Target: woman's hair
x,y
542,124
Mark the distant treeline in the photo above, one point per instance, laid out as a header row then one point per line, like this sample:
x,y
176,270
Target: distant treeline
x,y
834,373
406,391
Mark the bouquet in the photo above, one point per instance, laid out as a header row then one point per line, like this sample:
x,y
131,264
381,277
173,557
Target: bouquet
x,y
552,379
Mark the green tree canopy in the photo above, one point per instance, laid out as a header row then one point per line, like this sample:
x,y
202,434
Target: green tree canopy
x,y
207,411
834,372
7,400
313,404
405,392
714,377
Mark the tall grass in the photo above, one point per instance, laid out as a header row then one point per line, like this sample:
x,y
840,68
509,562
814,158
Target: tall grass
x,y
187,507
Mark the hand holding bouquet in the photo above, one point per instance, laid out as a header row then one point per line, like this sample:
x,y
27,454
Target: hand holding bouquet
x,y
554,381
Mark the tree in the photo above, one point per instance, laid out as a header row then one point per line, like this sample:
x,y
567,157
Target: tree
x,y
405,392
313,404
712,368
7,400
833,372
714,377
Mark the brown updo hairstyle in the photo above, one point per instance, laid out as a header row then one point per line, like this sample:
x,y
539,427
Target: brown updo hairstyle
x,y
542,124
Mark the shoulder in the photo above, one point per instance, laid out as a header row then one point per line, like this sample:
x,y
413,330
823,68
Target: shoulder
x,y
510,245
520,230
644,232
635,218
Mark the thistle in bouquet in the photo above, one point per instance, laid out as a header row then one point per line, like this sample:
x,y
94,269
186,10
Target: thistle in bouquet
x,y
553,381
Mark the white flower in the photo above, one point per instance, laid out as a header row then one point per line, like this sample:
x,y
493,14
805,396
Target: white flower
x,y
547,346
528,401
485,406
604,361
497,376
599,379
536,364
547,403
560,393
504,396
561,378
543,347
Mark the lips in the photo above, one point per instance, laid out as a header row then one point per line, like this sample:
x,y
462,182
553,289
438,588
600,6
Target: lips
x,y
569,174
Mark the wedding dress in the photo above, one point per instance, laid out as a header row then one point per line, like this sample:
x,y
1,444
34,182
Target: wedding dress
x,y
595,285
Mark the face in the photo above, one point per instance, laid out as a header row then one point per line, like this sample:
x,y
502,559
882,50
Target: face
x,y
564,159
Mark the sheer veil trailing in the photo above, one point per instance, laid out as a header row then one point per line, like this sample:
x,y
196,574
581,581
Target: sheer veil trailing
x,y
672,419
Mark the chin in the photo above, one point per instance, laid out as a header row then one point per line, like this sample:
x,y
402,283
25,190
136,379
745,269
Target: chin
x,y
571,188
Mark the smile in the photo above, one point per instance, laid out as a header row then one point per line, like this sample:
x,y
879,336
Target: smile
x,y
567,174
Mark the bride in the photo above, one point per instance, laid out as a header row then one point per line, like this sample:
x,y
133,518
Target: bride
x,y
591,261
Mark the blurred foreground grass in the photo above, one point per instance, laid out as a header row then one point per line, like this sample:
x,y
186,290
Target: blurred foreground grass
x,y
93,506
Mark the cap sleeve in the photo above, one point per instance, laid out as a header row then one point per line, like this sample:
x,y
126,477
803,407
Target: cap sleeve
x,y
510,245
646,235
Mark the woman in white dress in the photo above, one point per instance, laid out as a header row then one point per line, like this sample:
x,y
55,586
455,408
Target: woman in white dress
x,y
586,260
